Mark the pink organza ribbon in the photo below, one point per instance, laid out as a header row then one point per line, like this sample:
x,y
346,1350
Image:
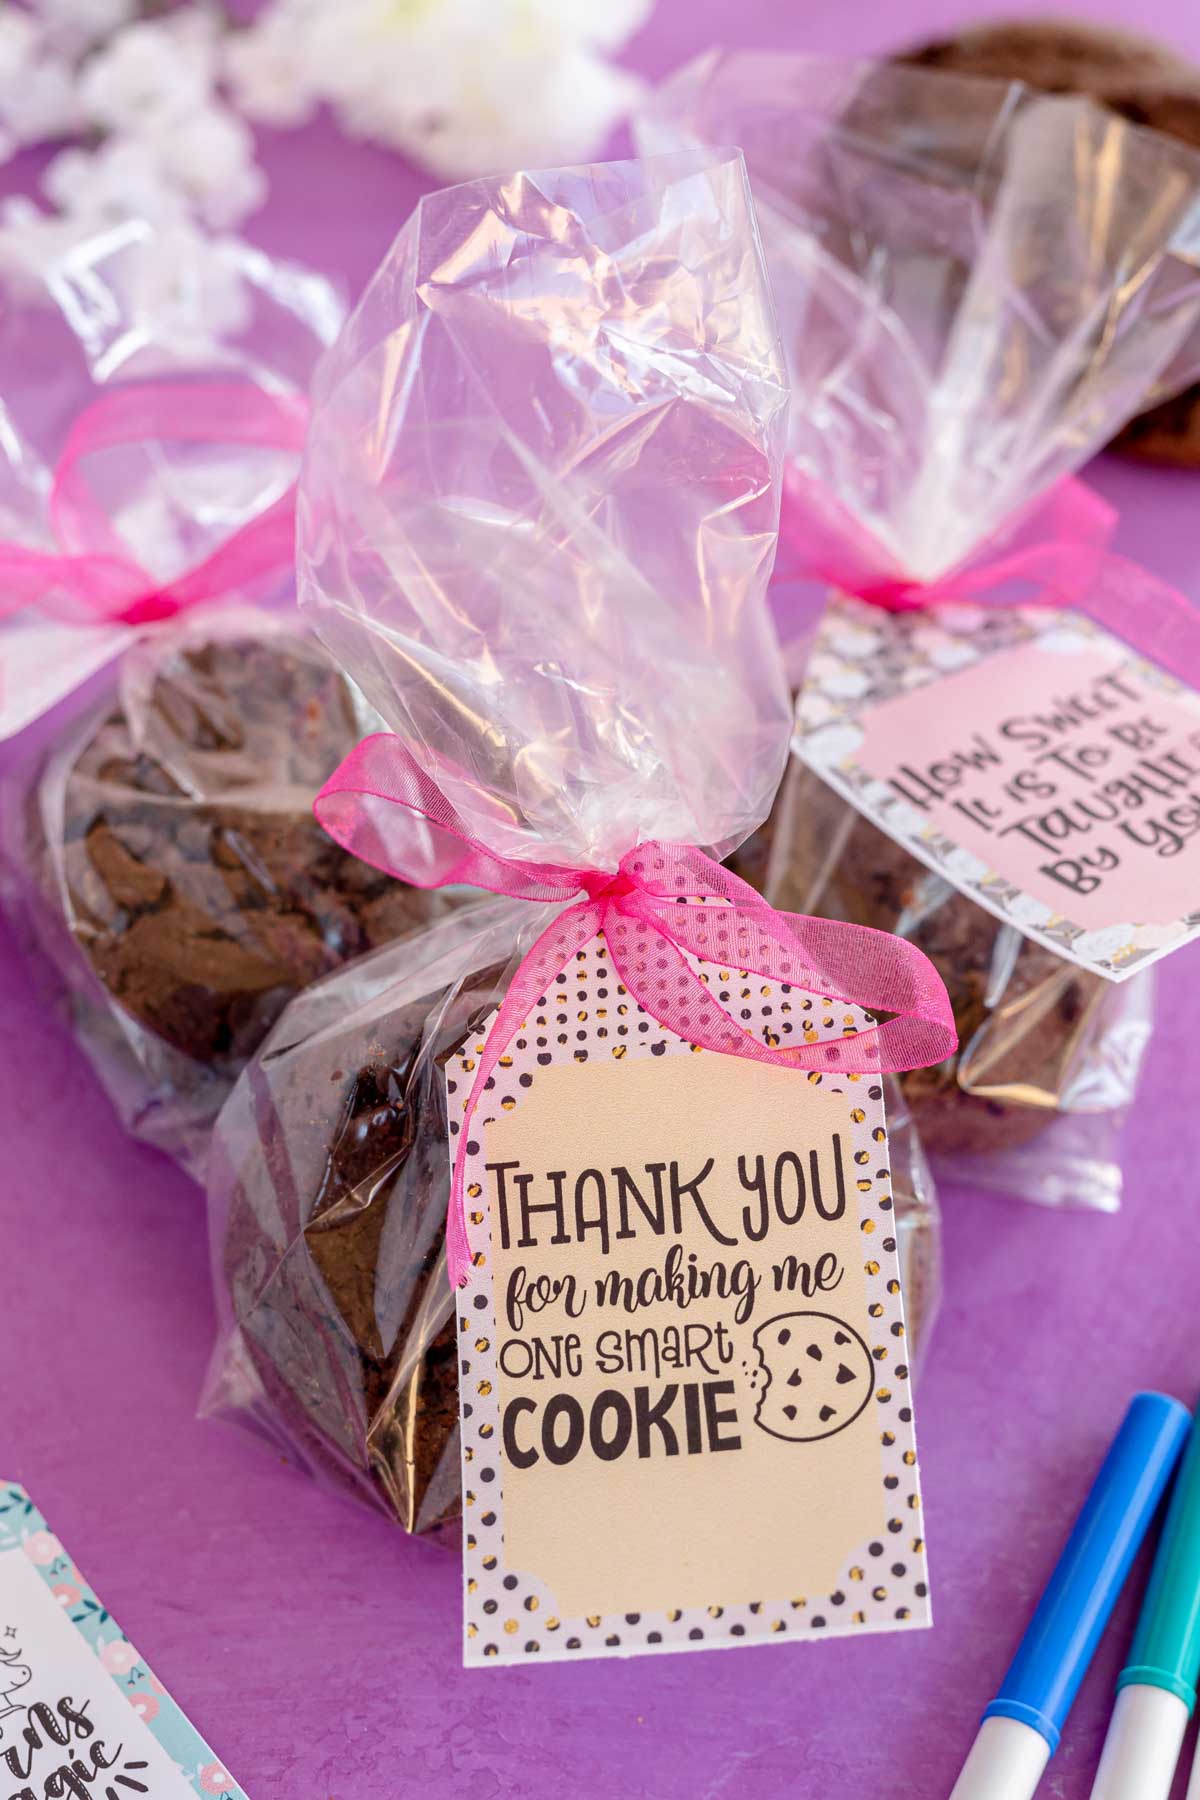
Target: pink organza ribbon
x,y
379,794
91,578
1055,553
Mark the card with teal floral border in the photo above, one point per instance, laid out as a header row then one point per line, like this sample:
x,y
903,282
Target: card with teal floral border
x,y
80,1711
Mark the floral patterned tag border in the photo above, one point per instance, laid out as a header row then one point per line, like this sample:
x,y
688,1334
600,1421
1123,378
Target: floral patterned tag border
x,y
866,662
40,1728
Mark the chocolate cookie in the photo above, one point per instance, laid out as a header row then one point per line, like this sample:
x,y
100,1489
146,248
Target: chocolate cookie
x,y
174,843
1147,83
331,1182
1024,1016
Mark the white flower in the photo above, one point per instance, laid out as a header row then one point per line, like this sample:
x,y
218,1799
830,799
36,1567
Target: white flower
x,y
74,25
38,97
209,159
151,76
466,86
606,26
123,179
20,42
267,68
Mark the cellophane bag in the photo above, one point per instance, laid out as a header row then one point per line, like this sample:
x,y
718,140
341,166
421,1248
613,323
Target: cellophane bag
x,y
977,286
159,848
152,402
537,521
163,861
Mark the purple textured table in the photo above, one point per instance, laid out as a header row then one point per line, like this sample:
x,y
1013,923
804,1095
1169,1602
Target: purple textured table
x,y
315,1647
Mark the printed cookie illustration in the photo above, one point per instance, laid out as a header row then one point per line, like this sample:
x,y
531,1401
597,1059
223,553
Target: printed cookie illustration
x,y
818,1376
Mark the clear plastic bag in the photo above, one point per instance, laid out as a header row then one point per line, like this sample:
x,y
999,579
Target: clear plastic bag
x,y
977,285
174,367
1049,1054
537,522
328,1187
164,856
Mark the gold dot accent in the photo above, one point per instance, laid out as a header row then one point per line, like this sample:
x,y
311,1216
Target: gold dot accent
x,y
883,1394
472,1585
618,1051
473,1193
553,1624
859,1618
864,1187
485,1431
862,1156
888,1438
478,1259
918,1544
484,1387
593,1620
482,1344
510,1625
776,1624
879,1593
910,1457
858,1115
868,1225
871,1268
856,1574
472,1631
876,1311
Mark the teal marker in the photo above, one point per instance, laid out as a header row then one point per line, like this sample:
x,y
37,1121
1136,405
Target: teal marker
x,y
1156,1691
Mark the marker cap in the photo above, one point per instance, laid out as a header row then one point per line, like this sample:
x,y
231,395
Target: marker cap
x,y
1166,1644
1046,1671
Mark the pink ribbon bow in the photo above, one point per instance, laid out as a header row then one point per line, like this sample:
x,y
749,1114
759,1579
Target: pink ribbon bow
x,y
91,578
647,911
1055,553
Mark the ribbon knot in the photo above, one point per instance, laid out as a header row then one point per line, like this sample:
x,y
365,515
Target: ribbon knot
x,y
1055,552
601,886
667,911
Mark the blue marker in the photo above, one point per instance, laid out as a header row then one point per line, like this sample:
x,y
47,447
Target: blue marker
x,y
1021,1727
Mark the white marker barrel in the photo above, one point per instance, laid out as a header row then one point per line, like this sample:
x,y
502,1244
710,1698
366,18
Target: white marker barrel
x,y
1007,1761
1142,1748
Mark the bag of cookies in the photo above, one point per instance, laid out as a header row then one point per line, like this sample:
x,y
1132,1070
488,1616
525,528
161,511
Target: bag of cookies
x,y
160,847
164,858
977,286
537,521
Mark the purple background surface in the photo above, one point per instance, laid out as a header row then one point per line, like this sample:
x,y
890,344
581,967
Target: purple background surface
x,y
314,1646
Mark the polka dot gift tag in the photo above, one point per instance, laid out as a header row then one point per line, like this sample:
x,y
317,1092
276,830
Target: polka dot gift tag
x,y
686,1413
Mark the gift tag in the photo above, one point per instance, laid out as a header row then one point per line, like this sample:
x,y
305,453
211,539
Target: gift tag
x,y
80,1712
686,1415
1029,757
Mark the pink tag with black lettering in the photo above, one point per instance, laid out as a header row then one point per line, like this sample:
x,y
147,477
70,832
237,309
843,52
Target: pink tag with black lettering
x,y
1030,757
686,1409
